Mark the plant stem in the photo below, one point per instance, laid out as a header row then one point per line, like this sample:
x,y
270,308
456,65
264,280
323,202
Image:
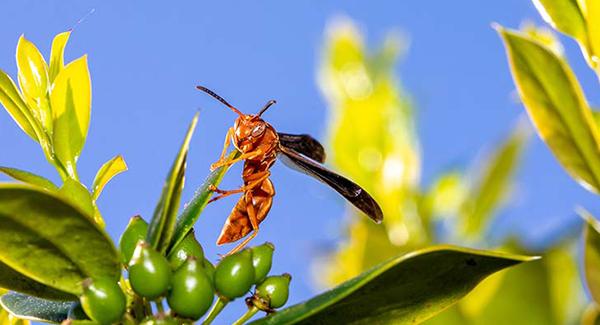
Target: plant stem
x,y
251,312
216,309
159,306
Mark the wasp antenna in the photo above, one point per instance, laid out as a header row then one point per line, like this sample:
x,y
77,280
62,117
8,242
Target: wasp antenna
x,y
219,98
267,105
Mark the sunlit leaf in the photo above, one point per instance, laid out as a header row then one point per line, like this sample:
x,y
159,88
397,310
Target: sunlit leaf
x,y
42,236
13,280
591,235
57,60
591,315
543,35
15,105
592,17
564,15
36,309
29,178
162,226
109,170
71,108
557,107
192,209
492,184
33,79
404,290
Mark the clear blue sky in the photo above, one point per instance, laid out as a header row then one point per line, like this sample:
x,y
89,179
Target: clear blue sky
x,y
145,59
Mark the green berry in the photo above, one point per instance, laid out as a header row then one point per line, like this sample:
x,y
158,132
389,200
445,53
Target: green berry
x,y
274,291
149,272
136,230
209,268
189,246
103,300
262,257
191,291
234,275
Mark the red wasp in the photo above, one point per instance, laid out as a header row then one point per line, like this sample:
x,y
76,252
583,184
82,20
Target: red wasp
x,y
259,145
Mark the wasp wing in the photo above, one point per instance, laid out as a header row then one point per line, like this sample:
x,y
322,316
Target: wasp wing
x,y
303,144
348,189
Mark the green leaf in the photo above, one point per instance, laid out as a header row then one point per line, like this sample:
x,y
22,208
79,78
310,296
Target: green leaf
x,y
406,289
557,107
15,105
57,60
29,178
71,109
13,280
494,182
564,15
33,79
109,170
591,259
592,18
162,225
52,242
192,210
35,309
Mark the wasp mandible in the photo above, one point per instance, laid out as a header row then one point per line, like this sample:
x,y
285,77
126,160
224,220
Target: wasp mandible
x,y
259,145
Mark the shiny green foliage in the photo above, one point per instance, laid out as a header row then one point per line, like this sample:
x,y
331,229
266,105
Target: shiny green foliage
x,y
409,289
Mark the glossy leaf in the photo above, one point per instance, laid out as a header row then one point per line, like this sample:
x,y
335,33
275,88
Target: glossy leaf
x,y
409,289
71,108
162,225
35,309
79,196
57,60
592,17
29,178
109,170
33,79
41,237
13,102
193,209
591,260
564,15
493,183
557,107
13,280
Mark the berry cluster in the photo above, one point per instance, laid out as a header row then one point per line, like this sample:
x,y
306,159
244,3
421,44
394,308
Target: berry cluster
x,y
187,280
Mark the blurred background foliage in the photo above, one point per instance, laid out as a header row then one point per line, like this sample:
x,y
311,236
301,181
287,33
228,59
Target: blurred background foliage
x,y
372,139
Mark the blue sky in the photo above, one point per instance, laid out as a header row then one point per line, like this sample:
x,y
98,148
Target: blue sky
x,y
145,59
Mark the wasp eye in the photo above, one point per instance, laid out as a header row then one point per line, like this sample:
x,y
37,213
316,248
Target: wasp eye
x,y
258,130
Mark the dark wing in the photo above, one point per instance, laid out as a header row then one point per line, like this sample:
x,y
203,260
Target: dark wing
x,y
348,189
303,144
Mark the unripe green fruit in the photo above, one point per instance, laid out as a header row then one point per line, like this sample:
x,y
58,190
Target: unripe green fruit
x,y
191,291
262,258
136,230
274,291
103,300
189,246
149,272
209,268
234,275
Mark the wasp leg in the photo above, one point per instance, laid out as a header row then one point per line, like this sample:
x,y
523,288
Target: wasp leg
x,y
262,176
253,221
244,156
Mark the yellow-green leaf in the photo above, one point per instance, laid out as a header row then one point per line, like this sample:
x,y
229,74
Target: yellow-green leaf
x,y
556,104
71,108
29,178
33,79
57,60
109,170
592,17
15,105
591,260
494,182
564,15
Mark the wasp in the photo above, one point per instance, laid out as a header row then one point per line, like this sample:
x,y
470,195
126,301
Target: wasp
x,y
260,146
